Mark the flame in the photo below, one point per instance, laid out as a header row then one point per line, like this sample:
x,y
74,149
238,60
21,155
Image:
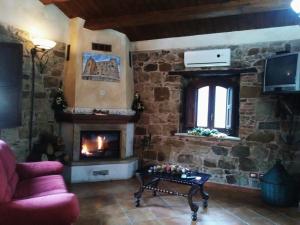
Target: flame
x,y
91,147
85,150
100,142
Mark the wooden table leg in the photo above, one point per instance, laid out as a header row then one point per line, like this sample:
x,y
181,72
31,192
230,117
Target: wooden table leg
x,y
205,196
193,190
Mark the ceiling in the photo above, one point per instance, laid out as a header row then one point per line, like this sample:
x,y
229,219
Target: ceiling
x,y
152,19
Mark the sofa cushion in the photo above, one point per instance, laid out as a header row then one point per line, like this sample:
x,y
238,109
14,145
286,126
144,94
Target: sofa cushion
x,y
5,192
40,186
8,165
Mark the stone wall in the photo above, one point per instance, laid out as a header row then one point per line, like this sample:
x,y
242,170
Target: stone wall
x,y
229,161
46,84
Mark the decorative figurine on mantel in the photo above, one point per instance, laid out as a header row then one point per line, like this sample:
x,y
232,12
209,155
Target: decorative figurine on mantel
x,y
137,104
59,103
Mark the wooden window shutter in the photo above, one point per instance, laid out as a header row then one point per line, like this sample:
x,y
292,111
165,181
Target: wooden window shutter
x,y
190,116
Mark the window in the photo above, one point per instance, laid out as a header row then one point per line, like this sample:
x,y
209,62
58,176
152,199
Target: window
x,y
212,103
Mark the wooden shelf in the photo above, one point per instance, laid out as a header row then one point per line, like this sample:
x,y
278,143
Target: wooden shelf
x,y
220,72
95,119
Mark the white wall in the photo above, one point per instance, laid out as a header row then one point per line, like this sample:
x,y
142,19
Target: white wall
x,y
34,17
228,38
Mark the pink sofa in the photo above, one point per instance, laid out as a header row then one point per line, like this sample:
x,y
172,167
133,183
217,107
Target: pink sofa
x,y
34,193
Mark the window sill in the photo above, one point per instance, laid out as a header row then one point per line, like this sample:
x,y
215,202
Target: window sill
x,y
229,138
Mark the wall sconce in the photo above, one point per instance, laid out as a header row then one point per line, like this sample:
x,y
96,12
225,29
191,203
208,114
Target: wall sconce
x,y
295,5
43,46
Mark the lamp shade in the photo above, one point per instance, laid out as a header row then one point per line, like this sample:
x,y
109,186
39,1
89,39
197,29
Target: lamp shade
x,y
295,4
43,43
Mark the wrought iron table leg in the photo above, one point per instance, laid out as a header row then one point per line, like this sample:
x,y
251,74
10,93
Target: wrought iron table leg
x,y
194,189
139,193
138,196
205,196
155,184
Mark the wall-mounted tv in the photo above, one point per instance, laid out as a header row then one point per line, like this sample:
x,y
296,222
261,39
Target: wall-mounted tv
x,y
282,73
10,84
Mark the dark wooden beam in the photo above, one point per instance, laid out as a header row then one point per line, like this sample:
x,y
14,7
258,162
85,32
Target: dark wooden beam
x,y
228,8
215,72
95,119
48,2
276,18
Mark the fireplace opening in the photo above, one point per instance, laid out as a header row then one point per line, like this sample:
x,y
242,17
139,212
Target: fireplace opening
x,y
99,145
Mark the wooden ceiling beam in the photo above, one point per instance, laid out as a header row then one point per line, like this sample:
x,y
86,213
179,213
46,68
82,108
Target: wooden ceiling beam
x,y
48,2
226,8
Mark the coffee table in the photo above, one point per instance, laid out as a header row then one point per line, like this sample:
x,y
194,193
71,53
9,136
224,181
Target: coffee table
x,y
149,181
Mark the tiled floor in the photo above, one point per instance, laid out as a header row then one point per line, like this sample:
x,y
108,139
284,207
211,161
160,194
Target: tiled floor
x,y
112,203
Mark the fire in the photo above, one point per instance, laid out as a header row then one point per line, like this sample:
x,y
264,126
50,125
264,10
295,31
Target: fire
x,y
100,141
85,150
92,146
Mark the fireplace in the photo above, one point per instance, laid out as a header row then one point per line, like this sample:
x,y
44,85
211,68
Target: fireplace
x,y
99,144
107,152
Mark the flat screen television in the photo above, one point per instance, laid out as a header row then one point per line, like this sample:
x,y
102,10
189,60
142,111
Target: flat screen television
x,y
282,73
11,57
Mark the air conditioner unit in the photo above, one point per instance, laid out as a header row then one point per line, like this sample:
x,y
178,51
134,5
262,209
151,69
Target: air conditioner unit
x,y
207,58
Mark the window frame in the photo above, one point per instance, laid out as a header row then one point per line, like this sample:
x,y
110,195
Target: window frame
x,y
191,102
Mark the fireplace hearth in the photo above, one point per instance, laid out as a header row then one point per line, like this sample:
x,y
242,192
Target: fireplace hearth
x,y
101,148
95,145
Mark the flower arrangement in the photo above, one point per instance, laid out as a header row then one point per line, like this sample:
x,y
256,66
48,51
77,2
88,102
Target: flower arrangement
x,y
168,168
199,131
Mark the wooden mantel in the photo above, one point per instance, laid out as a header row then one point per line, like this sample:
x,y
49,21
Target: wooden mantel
x,y
95,119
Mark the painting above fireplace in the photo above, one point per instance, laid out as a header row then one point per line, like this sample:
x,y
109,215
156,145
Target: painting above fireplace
x,y
99,144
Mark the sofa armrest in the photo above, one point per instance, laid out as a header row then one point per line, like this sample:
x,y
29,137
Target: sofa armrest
x,y
60,209
37,169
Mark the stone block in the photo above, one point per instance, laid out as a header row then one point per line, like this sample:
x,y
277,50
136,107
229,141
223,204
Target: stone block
x,y
210,163
51,82
155,129
174,143
249,92
150,67
143,77
156,77
229,165
220,150
178,66
59,53
185,158
264,109
40,95
142,57
247,164
259,152
269,125
260,62
230,179
253,51
161,156
240,151
161,93
170,129
56,73
140,131
260,136
165,67
173,79
150,155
